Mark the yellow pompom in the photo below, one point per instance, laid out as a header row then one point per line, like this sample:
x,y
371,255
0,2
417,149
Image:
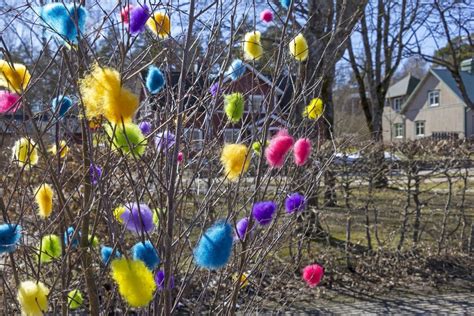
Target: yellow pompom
x,y
63,149
252,47
44,199
25,153
235,160
314,109
14,77
244,279
103,95
118,211
135,281
299,48
160,24
33,298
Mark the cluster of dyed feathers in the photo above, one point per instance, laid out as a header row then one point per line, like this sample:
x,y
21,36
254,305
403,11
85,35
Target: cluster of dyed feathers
x,y
104,96
235,158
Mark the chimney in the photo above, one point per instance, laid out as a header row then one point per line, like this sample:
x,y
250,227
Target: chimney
x,y
468,65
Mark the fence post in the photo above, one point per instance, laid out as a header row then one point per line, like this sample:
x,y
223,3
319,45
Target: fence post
x,y
471,240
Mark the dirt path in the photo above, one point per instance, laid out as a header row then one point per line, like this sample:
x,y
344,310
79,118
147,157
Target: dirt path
x,y
459,304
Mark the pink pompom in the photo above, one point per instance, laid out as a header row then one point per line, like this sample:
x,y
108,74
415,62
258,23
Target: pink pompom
x,y
279,146
313,274
180,157
266,16
302,150
125,13
9,102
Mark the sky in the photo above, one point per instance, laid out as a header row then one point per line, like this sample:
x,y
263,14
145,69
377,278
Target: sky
x,y
21,19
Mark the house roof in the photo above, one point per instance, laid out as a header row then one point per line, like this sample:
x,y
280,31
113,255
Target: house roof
x,y
404,86
467,78
445,76
260,76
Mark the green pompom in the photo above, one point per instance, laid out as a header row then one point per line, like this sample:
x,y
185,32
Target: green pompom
x,y
74,299
94,242
156,215
50,248
234,106
257,147
128,138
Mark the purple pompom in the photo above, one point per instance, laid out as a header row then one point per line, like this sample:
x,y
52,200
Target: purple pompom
x,y
242,226
294,203
145,127
138,17
96,173
165,140
138,218
214,89
263,212
160,280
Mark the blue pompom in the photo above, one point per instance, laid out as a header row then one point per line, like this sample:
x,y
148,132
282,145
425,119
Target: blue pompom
x,y
214,249
68,234
155,81
285,3
61,105
106,253
62,20
236,69
146,253
10,234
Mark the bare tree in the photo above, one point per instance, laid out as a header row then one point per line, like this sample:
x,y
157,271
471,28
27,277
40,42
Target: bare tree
x,y
384,31
449,26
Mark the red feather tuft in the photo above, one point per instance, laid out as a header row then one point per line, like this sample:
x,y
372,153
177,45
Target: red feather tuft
x,y
266,16
302,150
313,274
278,148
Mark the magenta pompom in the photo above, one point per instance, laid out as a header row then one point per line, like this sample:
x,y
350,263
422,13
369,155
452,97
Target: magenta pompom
x,y
266,16
263,212
180,157
313,274
302,150
279,146
138,218
9,102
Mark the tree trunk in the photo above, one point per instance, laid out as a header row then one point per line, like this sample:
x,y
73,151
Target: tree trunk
x,y
328,122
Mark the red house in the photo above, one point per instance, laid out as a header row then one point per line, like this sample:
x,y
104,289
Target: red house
x,y
265,103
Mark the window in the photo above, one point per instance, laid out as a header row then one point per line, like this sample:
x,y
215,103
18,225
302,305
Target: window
x,y
193,137
433,98
231,135
397,104
420,128
398,130
256,104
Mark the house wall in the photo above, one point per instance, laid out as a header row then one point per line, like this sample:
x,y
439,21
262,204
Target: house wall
x,y
447,117
391,117
249,84
470,123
